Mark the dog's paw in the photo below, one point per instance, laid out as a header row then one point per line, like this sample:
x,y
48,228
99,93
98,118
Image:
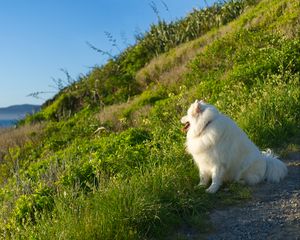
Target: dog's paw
x,y
212,189
242,181
197,187
204,180
202,184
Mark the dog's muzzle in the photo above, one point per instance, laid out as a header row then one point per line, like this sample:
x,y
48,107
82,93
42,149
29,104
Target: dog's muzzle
x,y
184,120
186,127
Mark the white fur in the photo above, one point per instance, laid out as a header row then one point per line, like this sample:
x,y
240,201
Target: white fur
x,y
223,152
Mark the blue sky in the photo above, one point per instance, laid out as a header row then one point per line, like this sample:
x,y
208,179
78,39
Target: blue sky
x,y
40,37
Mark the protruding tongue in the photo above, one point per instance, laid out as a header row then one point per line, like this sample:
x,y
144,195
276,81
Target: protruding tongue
x,y
186,127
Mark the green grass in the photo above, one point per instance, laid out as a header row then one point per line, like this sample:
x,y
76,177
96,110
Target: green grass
x,y
134,180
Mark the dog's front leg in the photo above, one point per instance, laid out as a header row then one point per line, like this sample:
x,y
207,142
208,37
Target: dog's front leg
x,y
217,179
204,178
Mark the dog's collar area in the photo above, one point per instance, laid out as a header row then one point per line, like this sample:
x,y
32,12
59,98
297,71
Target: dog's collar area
x,y
206,125
209,122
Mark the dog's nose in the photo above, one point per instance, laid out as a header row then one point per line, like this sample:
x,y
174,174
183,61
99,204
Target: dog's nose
x,y
184,120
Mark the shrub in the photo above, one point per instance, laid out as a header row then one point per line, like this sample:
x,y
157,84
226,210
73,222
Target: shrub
x,y
28,207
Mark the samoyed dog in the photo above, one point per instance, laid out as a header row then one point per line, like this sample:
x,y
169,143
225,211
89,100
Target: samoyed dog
x,y
223,152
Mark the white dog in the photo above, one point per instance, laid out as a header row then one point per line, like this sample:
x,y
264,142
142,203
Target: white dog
x,y
223,152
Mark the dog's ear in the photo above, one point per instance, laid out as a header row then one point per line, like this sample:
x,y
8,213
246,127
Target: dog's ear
x,y
196,108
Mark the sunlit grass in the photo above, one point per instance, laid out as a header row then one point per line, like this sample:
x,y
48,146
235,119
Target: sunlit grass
x,y
134,180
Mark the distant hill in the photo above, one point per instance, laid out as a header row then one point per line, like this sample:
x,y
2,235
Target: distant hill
x,y
17,111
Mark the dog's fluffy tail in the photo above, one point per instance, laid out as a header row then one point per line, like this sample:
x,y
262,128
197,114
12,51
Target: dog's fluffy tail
x,y
276,170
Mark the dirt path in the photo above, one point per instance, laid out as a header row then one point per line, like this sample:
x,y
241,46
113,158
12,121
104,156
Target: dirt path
x,y
273,213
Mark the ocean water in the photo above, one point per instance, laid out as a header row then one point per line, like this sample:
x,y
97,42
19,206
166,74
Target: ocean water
x,y
7,123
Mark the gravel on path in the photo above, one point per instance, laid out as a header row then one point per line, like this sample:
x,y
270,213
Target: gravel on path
x,y
273,213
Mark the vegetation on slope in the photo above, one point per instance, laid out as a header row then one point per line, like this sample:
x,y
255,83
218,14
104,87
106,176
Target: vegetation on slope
x,y
133,179
116,81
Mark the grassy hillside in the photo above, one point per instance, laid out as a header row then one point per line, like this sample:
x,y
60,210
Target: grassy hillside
x,y
61,178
